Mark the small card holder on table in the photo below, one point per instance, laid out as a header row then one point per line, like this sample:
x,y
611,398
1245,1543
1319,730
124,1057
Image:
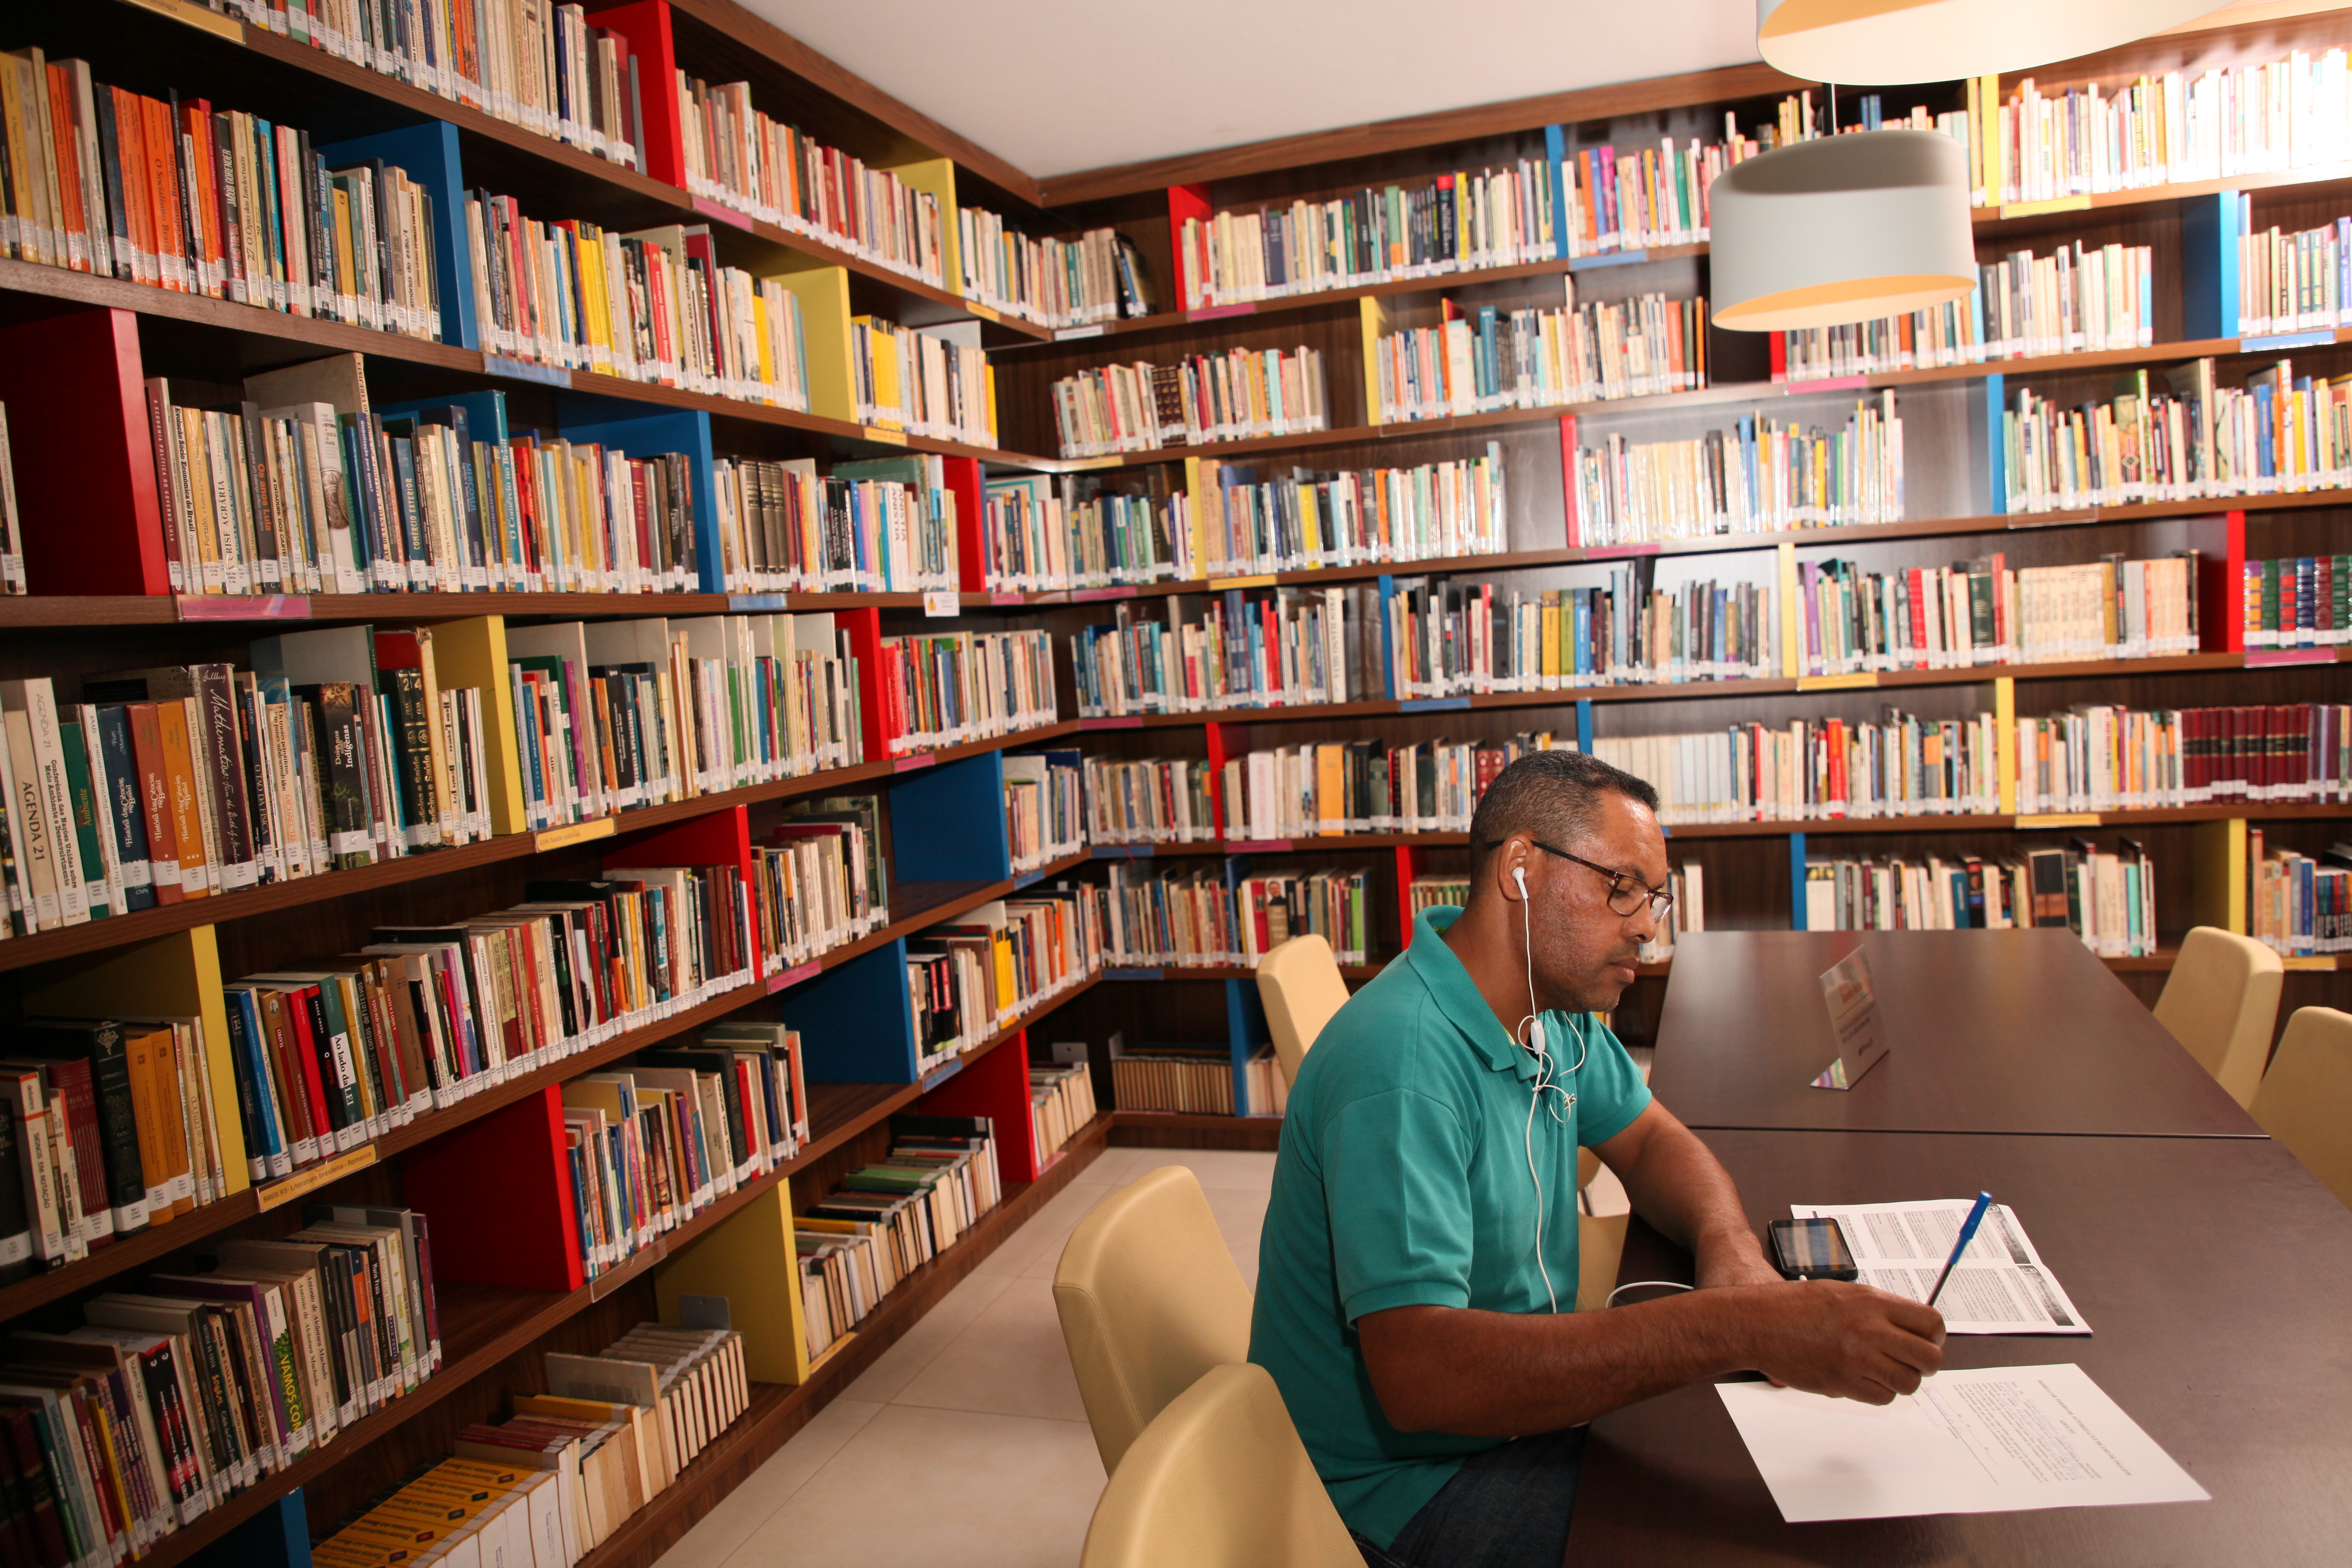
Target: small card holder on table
x,y
1853,1020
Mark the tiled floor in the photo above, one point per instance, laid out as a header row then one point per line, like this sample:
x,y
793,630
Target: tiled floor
x,y
965,1442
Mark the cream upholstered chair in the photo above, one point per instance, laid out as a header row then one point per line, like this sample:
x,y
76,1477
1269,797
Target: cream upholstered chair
x,y
2306,1100
1219,1480
1600,1241
1300,984
1149,1299
2221,1002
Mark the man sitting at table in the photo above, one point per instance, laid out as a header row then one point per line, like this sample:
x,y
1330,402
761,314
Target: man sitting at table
x,y
1416,1295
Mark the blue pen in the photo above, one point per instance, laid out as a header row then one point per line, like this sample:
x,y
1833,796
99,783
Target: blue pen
x,y
1968,1233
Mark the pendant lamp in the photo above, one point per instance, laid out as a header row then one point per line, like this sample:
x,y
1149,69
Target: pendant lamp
x,y
1877,42
1846,228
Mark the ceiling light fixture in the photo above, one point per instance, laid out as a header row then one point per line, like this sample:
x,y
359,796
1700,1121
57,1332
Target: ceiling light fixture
x,y
1883,42
1843,229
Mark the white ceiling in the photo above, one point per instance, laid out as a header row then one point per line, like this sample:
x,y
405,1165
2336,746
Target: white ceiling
x,y
1053,86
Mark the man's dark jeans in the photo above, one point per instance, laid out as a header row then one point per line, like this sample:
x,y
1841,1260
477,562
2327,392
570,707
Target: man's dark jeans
x,y
1507,1508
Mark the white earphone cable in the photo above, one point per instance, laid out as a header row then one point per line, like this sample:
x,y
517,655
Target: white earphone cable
x,y
1533,1026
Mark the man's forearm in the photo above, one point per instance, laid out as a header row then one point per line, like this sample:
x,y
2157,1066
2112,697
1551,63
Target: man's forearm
x,y
1683,1191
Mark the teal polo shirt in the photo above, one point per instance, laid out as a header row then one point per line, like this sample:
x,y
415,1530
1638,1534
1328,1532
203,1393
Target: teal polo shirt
x,y
1403,1181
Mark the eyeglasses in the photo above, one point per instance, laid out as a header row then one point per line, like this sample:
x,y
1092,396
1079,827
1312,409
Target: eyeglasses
x,y
1627,892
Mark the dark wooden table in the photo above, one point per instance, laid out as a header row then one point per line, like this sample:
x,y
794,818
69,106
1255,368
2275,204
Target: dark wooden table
x,y
2216,1275
1991,1031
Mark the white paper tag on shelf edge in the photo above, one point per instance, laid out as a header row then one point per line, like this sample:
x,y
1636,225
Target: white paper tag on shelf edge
x,y
940,602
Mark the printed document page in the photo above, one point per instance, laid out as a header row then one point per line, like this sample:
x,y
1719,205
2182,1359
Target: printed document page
x,y
1987,1440
1998,1287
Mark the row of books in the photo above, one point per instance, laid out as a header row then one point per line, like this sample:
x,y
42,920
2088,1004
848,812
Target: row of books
x,y
969,978
612,715
2300,904
1061,1101
1099,275
943,688
2180,436
1902,765
170,1399
1333,787
739,156
182,782
1759,476
1279,648
332,1053
170,193
1044,807
885,1221
113,1128
1203,919
307,499
818,880
1237,395
2298,602
1458,222
2073,301
1196,1080
878,525
1152,800
2093,758
464,1510
656,1141
1982,611
2292,282
1435,892
2262,118
928,381
541,68
1451,637
655,305
1539,359
1033,539
2106,897
1687,882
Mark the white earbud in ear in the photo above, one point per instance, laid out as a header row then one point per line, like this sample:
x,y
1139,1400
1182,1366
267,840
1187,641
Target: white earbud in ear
x,y
1519,875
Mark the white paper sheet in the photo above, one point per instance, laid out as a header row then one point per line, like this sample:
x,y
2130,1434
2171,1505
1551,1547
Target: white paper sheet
x,y
1987,1440
2000,1286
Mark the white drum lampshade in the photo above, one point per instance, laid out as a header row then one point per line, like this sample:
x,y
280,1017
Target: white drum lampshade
x,y
1846,228
1880,42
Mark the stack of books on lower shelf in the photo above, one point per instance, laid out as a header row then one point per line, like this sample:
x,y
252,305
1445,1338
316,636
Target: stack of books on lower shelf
x,y
2107,897
1194,1080
1061,1100
111,1127
885,1221
943,688
1044,807
819,880
172,1398
2300,905
1434,892
883,525
658,1140
469,1511
1202,922
968,978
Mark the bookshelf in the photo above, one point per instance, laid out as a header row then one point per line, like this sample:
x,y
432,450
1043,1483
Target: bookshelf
x,y
77,348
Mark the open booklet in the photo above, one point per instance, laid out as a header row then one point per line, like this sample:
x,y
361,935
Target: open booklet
x,y
1998,1287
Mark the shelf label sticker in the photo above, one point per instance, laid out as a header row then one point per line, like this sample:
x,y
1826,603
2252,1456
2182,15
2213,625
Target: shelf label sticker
x,y
2324,337
1013,597
1070,334
2260,658
1135,974
1837,682
1622,551
876,433
1124,851
754,602
941,602
245,607
1126,721
1090,464
2310,960
1219,312
269,1195
1092,595
1257,845
2059,819
1263,579
1607,259
908,764
985,313
574,833
795,975
1828,384
939,1076
524,370
2055,204
723,214
1432,705
2015,521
